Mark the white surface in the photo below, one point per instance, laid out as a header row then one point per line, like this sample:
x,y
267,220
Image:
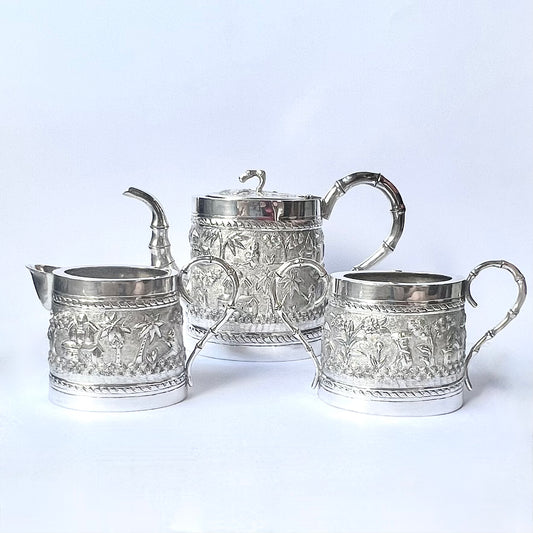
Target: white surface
x,y
180,98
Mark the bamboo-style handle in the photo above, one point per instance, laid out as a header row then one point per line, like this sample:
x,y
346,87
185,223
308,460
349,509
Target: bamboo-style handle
x,y
343,185
511,314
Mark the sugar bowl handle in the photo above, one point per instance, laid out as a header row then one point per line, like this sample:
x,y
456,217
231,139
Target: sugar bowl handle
x,y
230,306
522,291
343,185
278,305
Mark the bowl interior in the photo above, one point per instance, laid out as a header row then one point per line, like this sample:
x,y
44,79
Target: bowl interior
x,y
116,272
413,278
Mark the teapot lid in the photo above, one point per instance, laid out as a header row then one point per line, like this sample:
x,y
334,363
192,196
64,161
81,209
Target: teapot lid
x,y
257,204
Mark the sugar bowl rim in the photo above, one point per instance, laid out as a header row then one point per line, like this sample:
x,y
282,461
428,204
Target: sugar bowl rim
x,y
396,286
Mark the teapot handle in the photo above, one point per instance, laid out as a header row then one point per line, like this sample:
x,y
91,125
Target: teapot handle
x,y
343,185
511,314
278,305
230,307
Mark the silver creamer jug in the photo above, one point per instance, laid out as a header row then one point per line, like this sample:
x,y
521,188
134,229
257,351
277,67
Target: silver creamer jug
x,y
116,332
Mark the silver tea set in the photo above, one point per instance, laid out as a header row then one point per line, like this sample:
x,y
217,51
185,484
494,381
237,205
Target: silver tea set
x,y
388,343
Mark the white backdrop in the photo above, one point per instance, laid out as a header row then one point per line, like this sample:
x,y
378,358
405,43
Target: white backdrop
x,y
179,98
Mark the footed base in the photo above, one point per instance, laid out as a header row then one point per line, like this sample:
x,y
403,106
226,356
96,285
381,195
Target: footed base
x,y
257,347
117,398
430,401
257,354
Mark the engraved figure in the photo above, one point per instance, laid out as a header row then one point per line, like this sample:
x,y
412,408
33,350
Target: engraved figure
x,y
82,344
425,347
255,256
404,358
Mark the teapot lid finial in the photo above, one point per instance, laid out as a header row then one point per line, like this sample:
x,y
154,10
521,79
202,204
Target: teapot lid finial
x,y
261,174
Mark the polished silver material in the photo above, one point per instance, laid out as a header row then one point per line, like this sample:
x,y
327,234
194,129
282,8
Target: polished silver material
x,y
256,231
116,332
343,185
229,301
159,244
260,174
115,337
511,314
394,342
319,297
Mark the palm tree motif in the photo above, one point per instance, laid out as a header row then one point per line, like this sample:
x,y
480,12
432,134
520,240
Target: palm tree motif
x,y
150,328
115,331
233,241
210,236
202,241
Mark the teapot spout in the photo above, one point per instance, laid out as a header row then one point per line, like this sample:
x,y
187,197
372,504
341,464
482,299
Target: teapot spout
x,y
159,243
43,281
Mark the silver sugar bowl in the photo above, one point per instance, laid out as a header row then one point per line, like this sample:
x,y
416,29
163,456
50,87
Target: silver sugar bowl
x,y
116,332
256,231
394,342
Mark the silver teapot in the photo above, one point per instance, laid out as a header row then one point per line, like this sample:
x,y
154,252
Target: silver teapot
x,y
393,342
256,231
116,332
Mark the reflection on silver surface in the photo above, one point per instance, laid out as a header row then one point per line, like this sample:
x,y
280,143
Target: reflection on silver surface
x,y
256,231
393,343
116,332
